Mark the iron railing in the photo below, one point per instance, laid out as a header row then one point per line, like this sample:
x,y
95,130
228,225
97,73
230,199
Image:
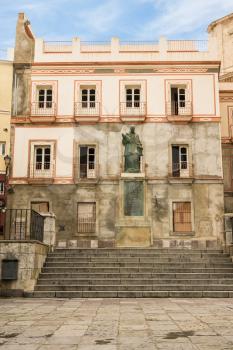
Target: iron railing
x,y
41,170
57,46
43,109
95,46
23,224
181,169
188,45
86,109
179,108
133,108
87,171
139,46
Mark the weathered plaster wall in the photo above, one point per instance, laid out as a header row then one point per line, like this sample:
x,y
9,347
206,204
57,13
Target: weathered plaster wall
x,y
203,140
31,256
204,190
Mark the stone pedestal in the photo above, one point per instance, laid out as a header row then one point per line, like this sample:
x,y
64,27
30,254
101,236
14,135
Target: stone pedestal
x,y
49,229
133,235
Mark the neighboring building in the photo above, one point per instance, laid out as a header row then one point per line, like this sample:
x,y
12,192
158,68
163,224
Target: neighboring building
x,y
6,75
72,103
222,32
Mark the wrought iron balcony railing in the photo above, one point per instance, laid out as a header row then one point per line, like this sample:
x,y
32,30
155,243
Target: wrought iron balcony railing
x,y
187,45
184,108
181,169
41,170
43,109
57,46
133,109
87,171
22,224
87,109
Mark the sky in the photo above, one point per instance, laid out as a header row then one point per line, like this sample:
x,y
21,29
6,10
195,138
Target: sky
x,y
99,20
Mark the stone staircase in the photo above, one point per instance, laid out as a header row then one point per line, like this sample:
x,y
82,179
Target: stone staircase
x,y
129,273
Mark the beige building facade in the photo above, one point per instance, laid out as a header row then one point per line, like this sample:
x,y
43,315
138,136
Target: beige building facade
x,y
222,31
6,79
161,184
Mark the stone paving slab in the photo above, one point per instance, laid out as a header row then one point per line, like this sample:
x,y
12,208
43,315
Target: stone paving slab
x,y
116,324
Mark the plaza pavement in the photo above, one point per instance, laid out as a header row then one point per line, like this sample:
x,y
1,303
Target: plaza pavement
x,y
116,324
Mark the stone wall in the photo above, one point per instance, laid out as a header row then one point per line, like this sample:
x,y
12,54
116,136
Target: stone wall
x,y
31,257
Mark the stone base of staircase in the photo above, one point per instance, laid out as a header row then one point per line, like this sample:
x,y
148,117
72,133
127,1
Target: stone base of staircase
x,y
135,273
158,243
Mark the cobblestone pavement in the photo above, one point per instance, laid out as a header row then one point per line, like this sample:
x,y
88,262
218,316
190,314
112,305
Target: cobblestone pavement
x,y
110,324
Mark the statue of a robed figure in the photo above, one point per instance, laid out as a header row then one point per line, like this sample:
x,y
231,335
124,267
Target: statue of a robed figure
x,y
133,151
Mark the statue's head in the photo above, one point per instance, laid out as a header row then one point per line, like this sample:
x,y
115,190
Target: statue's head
x,y
132,129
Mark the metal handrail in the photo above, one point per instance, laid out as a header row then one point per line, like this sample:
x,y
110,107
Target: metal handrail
x,y
22,224
179,108
87,108
46,108
133,108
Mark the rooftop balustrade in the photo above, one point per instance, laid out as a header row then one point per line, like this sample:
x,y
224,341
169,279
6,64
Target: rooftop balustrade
x,y
77,50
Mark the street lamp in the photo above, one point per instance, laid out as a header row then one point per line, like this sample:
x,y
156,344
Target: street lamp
x,y
7,160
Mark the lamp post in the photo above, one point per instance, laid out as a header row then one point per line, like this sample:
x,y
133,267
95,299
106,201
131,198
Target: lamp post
x,y
7,160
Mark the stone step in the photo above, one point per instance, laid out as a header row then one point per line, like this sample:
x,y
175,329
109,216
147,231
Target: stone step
x,y
179,275
133,281
132,252
120,287
138,265
138,269
130,272
150,260
130,294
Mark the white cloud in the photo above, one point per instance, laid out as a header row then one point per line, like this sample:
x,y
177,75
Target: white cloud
x,y
182,16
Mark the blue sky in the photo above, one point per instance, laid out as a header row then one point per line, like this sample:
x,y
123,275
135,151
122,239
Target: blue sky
x,y
102,19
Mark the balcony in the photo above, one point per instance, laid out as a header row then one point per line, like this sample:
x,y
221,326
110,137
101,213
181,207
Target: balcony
x,y
87,111
179,111
87,172
41,173
132,111
43,111
182,170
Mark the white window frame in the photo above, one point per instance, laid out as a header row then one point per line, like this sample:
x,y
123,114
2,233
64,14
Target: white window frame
x,y
89,103
183,164
180,108
92,109
42,173
90,171
134,103
3,148
46,104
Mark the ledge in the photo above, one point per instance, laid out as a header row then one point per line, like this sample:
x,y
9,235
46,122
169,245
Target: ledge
x,y
132,175
178,180
87,118
41,181
43,119
182,234
131,119
179,119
